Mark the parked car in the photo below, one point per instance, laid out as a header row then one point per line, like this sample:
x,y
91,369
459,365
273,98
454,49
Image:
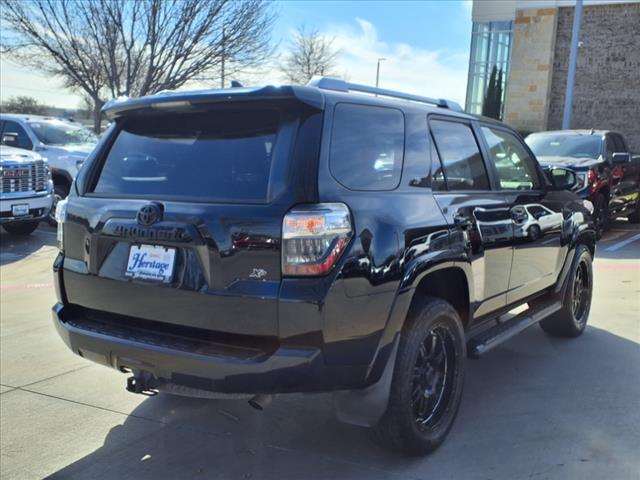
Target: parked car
x,y
249,242
65,144
534,219
26,191
608,175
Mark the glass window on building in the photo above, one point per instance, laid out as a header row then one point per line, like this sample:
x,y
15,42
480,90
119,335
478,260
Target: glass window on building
x,y
490,46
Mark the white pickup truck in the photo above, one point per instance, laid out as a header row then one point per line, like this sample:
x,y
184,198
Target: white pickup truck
x,y
26,190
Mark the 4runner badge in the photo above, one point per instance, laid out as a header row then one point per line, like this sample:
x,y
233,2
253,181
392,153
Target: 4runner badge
x,y
258,273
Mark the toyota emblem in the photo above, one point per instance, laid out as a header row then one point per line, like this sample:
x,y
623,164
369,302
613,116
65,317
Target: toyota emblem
x,y
149,214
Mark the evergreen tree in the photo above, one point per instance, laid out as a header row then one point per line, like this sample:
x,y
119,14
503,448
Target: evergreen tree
x,y
492,105
498,99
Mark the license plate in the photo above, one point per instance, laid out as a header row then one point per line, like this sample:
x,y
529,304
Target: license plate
x,y
151,262
20,210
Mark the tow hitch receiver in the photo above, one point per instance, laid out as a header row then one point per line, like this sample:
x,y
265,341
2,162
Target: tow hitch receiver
x,y
142,383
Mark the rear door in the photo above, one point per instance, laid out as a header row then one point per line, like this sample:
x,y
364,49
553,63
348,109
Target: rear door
x,y
478,217
180,220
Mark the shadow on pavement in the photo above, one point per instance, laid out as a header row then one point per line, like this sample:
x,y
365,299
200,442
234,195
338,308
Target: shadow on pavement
x,y
537,404
16,247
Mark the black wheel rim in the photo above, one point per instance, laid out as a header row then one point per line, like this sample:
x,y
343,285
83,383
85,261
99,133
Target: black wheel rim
x,y
433,376
581,293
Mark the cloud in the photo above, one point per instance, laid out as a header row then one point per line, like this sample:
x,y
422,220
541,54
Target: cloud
x,y
432,73
407,68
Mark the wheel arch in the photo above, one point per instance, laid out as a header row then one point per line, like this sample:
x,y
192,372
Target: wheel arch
x,y
61,177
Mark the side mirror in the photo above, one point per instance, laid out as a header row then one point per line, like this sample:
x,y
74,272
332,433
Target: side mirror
x,y
10,139
620,158
561,178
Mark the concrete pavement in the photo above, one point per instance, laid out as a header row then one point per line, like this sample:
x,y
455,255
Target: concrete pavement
x,y
534,408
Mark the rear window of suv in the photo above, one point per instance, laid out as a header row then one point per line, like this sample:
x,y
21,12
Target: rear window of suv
x,y
218,155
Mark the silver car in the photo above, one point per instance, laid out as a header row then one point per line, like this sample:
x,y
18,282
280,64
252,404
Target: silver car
x,y
63,143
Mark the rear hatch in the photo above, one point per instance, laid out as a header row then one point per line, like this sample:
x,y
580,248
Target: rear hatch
x,y
179,219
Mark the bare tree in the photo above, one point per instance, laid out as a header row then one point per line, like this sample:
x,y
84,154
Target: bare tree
x,y
310,53
111,48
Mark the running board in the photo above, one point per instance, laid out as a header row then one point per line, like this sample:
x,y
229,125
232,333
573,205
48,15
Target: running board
x,y
494,336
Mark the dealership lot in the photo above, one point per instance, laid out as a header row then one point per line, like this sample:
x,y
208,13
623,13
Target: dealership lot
x,y
536,407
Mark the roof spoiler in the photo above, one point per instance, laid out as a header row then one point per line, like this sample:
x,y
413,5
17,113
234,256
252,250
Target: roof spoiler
x,y
174,100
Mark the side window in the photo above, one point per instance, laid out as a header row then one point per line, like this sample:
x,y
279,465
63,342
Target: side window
x,y
619,143
537,211
611,148
23,139
516,169
367,147
460,156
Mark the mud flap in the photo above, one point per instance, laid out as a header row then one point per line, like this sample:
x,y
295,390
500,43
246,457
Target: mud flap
x,y
365,407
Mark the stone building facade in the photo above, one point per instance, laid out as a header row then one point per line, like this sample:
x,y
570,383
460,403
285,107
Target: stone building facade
x,y
529,82
607,86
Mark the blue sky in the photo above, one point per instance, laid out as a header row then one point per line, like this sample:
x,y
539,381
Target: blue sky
x,y
444,24
426,44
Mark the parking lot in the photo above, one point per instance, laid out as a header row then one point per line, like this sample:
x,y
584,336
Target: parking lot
x,y
536,407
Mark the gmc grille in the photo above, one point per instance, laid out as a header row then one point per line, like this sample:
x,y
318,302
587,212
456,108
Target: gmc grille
x,y
30,177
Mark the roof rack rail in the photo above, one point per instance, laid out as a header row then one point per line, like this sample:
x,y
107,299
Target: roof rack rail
x,y
329,83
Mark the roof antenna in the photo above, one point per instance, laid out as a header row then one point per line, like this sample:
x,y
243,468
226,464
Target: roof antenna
x,y
592,131
236,84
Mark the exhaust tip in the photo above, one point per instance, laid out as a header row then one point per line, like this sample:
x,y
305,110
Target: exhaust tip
x,y
260,401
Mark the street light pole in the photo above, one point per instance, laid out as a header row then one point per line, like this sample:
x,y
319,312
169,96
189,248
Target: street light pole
x,y
571,73
378,71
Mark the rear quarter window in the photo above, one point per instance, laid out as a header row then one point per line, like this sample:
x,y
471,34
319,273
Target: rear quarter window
x,y
222,155
367,146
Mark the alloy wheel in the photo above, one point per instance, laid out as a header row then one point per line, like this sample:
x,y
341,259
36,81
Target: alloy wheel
x,y
432,381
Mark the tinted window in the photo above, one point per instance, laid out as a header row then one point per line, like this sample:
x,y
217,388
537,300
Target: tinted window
x,y
618,143
23,139
460,156
537,211
516,169
367,147
226,155
565,145
611,148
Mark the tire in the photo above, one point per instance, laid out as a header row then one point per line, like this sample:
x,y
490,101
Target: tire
x,y
635,216
60,192
21,228
600,215
432,342
571,320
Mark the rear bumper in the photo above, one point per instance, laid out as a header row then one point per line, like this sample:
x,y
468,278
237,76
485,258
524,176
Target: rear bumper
x,y
285,370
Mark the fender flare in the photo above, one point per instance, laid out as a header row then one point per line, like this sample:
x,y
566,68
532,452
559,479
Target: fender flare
x,y
365,407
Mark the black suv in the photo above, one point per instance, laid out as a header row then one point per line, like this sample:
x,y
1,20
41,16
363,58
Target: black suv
x,y
329,237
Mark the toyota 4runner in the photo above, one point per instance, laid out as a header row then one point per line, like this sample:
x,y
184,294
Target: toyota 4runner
x,y
329,237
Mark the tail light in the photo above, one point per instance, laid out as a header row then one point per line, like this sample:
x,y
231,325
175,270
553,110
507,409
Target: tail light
x,y
61,216
314,237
